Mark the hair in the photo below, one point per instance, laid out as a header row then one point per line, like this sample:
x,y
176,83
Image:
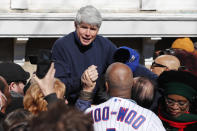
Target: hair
x,y
188,60
4,88
170,51
60,89
34,98
143,92
17,120
65,118
90,15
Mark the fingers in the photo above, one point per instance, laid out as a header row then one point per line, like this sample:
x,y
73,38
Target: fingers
x,y
87,76
84,77
87,81
90,75
93,73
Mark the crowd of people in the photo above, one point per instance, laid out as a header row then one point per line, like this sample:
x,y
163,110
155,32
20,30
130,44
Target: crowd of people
x,y
86,83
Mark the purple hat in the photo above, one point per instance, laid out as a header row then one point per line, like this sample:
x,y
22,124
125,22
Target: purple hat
x,y
128,56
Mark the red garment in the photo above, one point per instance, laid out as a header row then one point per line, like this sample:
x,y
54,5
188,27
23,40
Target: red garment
x,y
179,125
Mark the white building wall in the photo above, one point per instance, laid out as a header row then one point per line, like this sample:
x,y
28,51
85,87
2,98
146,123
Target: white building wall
x,y
169,5
125,18
104,5
4,5
121,18
176,5
72,5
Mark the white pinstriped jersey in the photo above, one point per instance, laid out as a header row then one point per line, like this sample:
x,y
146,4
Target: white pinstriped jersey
x,y
118,114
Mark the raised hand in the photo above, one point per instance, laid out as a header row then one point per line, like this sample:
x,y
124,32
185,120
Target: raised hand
x,y
92,73
47,83
89,78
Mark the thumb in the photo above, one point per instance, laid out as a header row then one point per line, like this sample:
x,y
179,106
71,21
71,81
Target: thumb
x,y
37,80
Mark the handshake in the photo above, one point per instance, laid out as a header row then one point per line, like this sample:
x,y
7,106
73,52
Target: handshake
x,y
89,77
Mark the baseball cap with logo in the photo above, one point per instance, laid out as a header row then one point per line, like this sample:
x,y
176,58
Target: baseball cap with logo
x,y
128,56
13,72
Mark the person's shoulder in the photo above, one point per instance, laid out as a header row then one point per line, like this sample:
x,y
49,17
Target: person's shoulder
x,y
141,70
103,39
152,118
141,110
104,43
66,38
153,122
97,106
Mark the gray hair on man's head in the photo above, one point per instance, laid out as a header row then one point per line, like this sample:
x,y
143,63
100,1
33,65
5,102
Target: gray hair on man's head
x,y
90,15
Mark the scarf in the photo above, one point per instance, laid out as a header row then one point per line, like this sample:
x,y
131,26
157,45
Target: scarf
x,y
180,122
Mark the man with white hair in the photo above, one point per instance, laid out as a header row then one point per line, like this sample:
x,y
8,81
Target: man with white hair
x,y
81,49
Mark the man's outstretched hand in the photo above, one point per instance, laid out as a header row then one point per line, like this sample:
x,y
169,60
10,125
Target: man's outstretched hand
x,y
89,78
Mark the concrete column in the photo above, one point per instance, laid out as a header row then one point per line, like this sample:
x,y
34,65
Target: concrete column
x,y
148,47
19,50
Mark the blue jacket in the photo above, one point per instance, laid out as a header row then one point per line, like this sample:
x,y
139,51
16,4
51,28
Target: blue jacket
x,y
141,70
72,59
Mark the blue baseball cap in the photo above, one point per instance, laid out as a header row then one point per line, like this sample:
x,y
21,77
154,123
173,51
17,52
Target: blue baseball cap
x,y
127,56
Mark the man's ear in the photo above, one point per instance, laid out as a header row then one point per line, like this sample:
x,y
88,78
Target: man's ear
x,y
107,87
12,85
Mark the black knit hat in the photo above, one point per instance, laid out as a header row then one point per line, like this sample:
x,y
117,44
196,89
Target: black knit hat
x,y
13,72
179,82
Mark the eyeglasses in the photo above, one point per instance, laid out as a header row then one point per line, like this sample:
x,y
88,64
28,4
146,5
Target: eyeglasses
x,y
170,51
154,64
180,103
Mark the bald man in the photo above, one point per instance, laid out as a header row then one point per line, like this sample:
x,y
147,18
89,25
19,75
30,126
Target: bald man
x,y
120,113
165,63
119,80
